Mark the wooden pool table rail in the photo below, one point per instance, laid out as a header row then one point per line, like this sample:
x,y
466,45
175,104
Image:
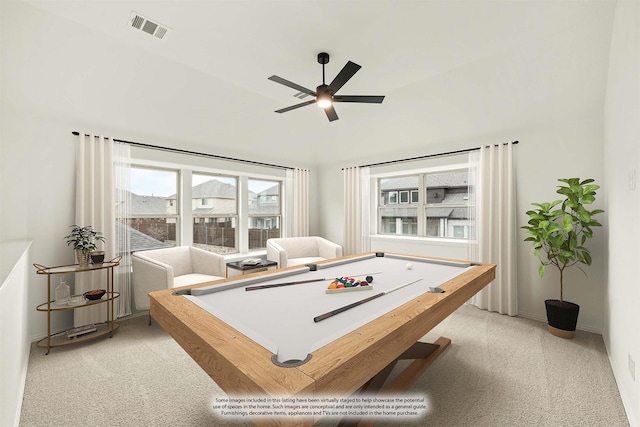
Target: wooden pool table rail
x,y
241,367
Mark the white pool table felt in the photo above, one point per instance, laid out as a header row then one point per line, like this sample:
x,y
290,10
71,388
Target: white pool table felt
x,y
281,318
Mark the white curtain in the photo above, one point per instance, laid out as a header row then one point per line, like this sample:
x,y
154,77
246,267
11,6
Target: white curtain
x,y
95,206
122,181
297,209
492,179
356,210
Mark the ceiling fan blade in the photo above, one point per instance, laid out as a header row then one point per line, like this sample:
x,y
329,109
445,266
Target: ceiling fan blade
x,y
343,76
293,107
292,85
331,113
370,99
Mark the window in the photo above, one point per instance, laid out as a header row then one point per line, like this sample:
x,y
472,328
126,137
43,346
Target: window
x,y
226,212
153,212
394,219
264,212
447,208
393,197
216,216
444,210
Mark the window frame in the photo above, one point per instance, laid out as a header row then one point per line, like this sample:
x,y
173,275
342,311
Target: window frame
x,y
465,205
270,200
188,165
421,206
213,217
174,203
395,198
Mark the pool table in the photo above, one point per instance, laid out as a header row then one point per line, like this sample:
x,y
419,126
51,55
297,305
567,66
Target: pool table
x,y
259,335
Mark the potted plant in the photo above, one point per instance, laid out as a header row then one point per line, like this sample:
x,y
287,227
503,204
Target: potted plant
x,y
84,241
559,231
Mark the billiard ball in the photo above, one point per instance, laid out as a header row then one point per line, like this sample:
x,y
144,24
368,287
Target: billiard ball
x,y
409,266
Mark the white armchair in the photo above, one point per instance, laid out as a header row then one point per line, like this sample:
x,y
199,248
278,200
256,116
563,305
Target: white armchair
x,y
173,267
288,251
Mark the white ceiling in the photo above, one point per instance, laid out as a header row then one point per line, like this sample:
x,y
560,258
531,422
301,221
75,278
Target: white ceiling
x,y
450,70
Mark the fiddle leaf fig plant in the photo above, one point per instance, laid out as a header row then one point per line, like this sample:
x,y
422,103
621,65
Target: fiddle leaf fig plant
x,y
560,229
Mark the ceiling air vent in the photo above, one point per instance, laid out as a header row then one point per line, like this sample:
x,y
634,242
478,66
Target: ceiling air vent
x,y
142,23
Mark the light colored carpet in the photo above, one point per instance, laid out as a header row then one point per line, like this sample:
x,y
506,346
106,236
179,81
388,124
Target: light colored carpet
x,y
499,371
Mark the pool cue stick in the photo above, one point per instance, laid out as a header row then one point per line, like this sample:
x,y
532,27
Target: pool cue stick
x,y
277,285
357,303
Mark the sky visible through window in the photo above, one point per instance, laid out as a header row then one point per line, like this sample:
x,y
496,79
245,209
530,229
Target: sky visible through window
x,y
148,182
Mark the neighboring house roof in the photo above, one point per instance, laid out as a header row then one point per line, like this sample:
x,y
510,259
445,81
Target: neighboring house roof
x,y
145,205
222,190
271,191
455,197
203,211
449,179
213,189
400,183
139,241
439,212
151,205
272,209
440,180
451,213
398,212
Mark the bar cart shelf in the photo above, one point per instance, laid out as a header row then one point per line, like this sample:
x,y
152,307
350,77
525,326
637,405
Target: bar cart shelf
x,y
59,339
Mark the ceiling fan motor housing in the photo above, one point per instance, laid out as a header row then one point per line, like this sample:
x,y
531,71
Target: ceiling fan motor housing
x,y
322,89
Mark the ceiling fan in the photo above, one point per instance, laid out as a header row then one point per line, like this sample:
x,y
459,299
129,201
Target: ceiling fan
x,y
325,95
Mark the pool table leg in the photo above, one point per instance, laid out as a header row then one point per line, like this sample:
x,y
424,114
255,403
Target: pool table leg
x,y
423,355
407,377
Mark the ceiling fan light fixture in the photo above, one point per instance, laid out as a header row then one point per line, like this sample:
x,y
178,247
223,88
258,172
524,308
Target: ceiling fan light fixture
x,y
324,101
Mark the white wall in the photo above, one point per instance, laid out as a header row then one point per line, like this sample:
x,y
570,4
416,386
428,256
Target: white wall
x,y
571,148
622,171
37,155
37,188
14,340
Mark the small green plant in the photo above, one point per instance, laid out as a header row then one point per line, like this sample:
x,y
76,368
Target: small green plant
x,y
84,238
559,234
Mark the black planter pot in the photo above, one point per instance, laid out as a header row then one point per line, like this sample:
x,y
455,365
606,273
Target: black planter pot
x,y
562,317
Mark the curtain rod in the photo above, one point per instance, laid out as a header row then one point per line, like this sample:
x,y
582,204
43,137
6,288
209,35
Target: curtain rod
x,y
194,153
410,159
